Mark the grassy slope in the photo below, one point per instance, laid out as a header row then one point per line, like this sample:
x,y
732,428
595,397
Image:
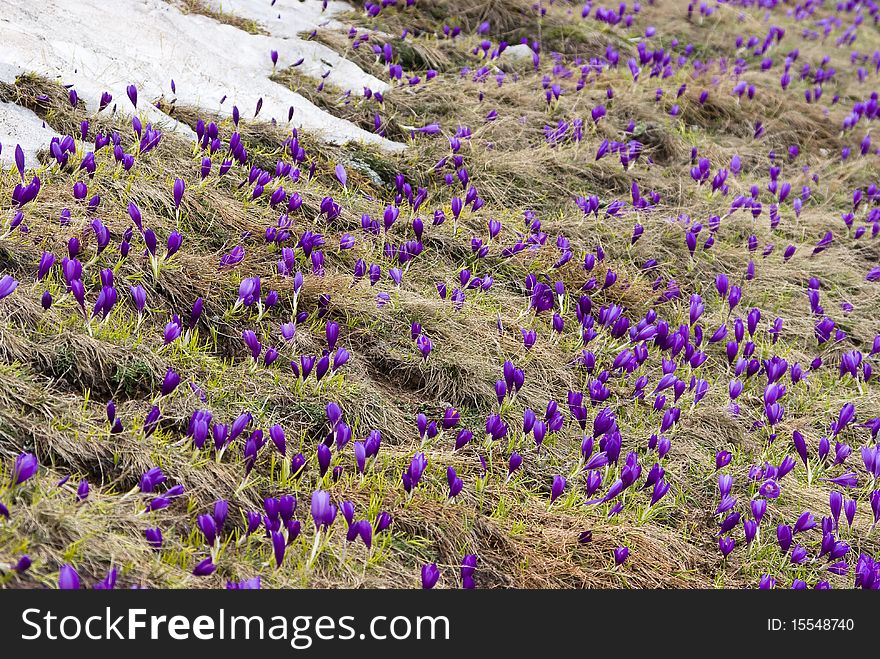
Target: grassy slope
x,y
56,377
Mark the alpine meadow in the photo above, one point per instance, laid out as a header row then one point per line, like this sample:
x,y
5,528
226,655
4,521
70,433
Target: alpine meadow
x,y
439,294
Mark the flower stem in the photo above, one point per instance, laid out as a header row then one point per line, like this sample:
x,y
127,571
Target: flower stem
x,y
315,547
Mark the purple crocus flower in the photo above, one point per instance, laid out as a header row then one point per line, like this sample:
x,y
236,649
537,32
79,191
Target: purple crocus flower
x,y
413,474
871,459
204,568
875,506
455,483
208,526
867,573
154,537
767,582
7,286
323,512
341,175
170,382
850,479
726,545
383,521
68,579
279,545
468,567
423,343
253,343
769,489
800,445
513,463
177,191
430,575
558,488
276,434
150,479
324,458
784,537
26,466
804,523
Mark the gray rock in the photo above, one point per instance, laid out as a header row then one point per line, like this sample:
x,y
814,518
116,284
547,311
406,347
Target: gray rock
x,y
517,53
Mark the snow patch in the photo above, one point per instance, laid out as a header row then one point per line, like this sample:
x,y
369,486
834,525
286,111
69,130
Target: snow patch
x,y
97,46
20,126
286,18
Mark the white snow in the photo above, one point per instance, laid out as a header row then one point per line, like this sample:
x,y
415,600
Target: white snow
x,y
19,125
98,45
286,18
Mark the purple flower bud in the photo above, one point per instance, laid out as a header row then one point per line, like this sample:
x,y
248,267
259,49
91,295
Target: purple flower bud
x,y
26,466
68,579
430,575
